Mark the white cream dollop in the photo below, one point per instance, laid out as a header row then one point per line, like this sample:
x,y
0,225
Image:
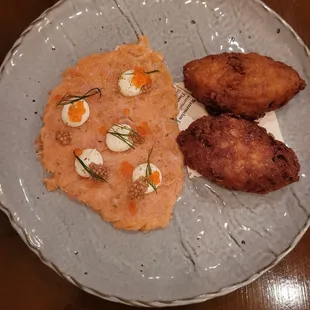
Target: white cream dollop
x,y
115,143
88,156
66,118
141,170
126,87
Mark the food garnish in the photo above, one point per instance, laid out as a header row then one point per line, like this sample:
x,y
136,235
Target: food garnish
x,y
91,172
143,129
100,170
64,137
71,99
103,130
78,152
138,188
134,82
141,69
75,114
126,134
126,112
149,172
126,168
125,137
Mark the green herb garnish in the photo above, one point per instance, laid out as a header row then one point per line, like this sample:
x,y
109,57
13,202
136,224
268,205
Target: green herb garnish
x,y
149,171
149,72
123,136
154,71
91,173
71,99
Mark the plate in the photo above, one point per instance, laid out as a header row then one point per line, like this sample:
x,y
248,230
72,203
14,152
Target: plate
x,y
218,240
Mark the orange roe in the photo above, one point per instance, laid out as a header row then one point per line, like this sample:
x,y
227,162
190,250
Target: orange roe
x,y
76,111
103,130
140,78
78,152
144,129
126,112
154,178
132,208
126,168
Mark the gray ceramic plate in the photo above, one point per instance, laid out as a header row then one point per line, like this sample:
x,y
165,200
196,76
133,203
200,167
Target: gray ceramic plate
x,y
218,240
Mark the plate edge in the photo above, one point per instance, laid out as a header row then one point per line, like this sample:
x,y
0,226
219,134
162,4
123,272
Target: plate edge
x,y
196,299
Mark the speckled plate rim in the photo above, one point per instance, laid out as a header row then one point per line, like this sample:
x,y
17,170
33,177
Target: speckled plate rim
x,y
196,299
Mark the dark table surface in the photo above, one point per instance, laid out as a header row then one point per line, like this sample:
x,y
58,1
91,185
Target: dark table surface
x,y
25,283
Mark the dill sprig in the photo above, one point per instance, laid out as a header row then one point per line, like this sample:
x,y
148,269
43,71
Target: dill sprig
x,y
71,99
149,171
124,136
91,173
149,72
154,71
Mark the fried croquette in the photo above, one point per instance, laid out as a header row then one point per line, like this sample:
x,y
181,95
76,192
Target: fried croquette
x,y
238,154
248,85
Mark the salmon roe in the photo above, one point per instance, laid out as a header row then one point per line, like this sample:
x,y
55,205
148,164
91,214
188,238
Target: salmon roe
x,y
140,78
78,152
103,130
76,111
126,112
126,168
132,208
154,178
144,129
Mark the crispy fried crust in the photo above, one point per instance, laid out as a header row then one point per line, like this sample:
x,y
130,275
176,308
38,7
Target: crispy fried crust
x,y
248,85
238,154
